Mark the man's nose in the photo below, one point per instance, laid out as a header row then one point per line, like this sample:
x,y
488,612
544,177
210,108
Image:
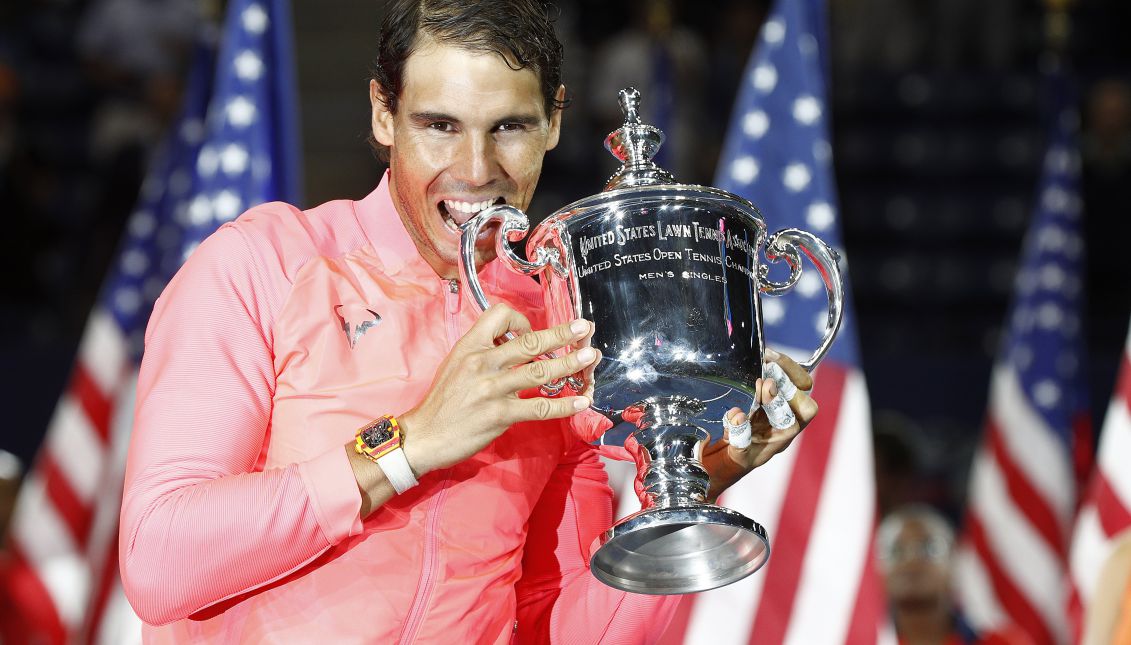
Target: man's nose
x,y
477,164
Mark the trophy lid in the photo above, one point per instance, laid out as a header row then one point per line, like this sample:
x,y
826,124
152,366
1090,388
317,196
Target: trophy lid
x,y
634,144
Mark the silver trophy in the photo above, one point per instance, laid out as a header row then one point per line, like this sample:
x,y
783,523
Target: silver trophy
x,y
670,275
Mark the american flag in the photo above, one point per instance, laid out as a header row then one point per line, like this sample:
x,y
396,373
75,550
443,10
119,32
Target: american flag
x,y
1105,517
816,499
233,146
1023,488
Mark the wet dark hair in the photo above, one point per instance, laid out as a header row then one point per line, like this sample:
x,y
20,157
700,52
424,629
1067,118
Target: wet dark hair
x,y
520,31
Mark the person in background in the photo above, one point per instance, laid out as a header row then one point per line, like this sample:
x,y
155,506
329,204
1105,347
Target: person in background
x,y
1108,621
915,549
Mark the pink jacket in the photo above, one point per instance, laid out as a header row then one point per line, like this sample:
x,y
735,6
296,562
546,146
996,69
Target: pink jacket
x,y
240,520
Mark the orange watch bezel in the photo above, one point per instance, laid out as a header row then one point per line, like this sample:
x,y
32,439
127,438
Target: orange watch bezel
x,y
374,453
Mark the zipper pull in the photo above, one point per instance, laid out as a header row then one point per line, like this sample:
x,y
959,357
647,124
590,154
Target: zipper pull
x,y
453,285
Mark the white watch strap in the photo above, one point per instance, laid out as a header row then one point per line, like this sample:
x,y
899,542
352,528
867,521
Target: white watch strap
x,y
397,471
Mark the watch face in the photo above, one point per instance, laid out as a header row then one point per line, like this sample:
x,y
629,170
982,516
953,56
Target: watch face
x,y
381,432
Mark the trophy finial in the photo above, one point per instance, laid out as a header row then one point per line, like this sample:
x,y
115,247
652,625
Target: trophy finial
x,y
634,144
629,105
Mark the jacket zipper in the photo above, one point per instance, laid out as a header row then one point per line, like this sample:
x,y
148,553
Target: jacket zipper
x,y
427,582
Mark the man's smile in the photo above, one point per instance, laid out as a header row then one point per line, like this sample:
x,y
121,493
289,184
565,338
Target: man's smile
x,y
456,213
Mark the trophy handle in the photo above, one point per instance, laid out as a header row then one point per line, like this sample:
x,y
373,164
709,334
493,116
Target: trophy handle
x,y
513,227
788,244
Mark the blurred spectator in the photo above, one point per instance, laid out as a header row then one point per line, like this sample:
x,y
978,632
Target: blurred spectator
x,y
14,616
668,64
1107,140
1106,153
734,30
11,470
975,35
569,171
135,50
897,462
915,549
1109,614
88,87
899,36
877,35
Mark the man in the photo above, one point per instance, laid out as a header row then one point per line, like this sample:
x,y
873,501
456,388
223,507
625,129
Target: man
x,y
256,510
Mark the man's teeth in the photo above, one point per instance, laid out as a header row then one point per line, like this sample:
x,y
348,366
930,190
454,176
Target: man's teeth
x,y
467,207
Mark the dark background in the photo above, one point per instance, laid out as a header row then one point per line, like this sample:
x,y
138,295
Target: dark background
x,y
937,139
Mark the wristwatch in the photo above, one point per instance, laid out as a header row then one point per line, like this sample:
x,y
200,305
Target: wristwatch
x,y
380,442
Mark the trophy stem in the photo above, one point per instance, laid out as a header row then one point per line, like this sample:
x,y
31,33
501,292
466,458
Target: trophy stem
x,y
676,543
669,462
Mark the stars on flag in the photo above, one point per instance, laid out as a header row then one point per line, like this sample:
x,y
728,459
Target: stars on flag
x,y
820,216
806,110
773,311
764,78
1049,284
248,65
254,19
781,160
773,32
135,262
744,170
234,159
809,285
240,112
227,205
755,123
218,166
796,176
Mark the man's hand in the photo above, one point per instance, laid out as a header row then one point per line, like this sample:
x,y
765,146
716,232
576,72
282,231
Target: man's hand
x,y
474,397
726,463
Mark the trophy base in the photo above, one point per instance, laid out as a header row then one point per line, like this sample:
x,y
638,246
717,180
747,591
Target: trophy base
x,y
680,549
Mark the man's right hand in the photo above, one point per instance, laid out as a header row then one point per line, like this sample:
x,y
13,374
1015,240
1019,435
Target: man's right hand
x,y
474,396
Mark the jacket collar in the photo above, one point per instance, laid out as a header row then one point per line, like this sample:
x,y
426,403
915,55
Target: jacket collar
x,y
385,231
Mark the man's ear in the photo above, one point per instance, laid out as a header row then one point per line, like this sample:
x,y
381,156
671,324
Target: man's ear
x,y
556,118
382,118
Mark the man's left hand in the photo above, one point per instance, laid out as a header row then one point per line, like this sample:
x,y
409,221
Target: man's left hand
x,y
727,463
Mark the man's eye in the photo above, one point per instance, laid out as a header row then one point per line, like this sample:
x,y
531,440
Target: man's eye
x,y
440,126
511,127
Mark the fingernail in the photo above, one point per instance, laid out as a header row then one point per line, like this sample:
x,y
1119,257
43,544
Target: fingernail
x,y
586,355
771,355
580,403
579,326
772,389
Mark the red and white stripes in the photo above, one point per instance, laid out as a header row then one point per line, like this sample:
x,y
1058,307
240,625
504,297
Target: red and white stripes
x,y
1012,557
65,525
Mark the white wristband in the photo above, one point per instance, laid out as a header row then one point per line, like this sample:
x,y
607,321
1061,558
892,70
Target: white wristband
x,y
397,471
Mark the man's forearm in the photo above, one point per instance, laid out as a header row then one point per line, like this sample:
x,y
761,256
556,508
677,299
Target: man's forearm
x,y
190,539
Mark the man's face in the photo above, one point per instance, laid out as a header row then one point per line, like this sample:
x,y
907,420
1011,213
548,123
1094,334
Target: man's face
x,y
469,132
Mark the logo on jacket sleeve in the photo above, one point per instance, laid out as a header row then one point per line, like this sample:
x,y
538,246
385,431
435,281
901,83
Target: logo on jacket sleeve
x,y
356,320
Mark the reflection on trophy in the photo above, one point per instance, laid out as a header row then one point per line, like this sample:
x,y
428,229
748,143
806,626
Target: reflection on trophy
x,y
670,276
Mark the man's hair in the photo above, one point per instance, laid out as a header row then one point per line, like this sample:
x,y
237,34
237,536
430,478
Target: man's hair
x,y
520,31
